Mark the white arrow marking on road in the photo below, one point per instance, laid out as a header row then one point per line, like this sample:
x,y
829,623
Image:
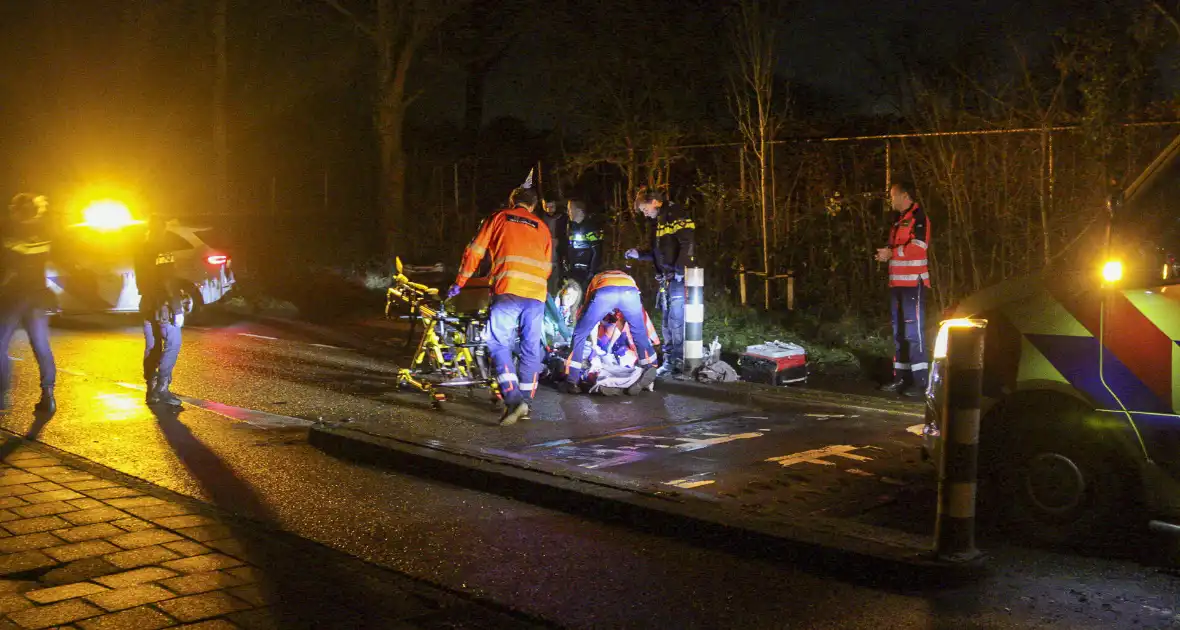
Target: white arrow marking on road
x,y
816,456
690,444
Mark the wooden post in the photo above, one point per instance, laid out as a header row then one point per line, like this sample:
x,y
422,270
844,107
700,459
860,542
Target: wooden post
x,y
742,283
790,290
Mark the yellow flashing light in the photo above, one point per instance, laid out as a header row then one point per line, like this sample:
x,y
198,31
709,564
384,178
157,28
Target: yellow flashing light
x,y
107,214
1112,271
944,333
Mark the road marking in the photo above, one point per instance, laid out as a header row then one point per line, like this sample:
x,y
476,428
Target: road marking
x,y
916,429
324,345
71,372
252,417
689,484
816,456
692,444
857,471
258,336
825,416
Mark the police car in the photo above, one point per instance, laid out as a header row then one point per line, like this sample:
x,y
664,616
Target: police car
x,y
1081,421
92,268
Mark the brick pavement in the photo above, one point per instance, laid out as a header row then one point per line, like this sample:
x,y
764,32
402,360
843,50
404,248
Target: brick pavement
x,y
81,551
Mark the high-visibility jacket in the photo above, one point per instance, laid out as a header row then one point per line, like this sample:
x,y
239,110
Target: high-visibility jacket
x,y
611,278
520,248
584,245
909,239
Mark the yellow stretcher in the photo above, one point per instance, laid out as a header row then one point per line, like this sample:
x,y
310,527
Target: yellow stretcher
x,y
452,351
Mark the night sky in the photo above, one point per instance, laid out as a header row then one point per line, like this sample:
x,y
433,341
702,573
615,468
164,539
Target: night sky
x,y
120,89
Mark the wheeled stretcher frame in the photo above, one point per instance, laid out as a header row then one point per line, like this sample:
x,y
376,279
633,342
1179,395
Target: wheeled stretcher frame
x,y
452,350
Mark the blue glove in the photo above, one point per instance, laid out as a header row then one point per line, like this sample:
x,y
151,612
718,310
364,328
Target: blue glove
x,y
679,277
453,291
631,253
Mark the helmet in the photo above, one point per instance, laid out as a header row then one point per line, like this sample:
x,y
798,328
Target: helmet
x,y
27,207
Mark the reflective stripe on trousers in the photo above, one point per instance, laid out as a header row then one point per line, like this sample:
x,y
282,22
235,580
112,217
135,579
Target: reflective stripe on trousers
x,y
510,314
907,307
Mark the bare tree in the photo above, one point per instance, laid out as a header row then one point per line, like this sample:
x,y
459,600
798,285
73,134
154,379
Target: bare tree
x,y
397,30
752,32
220,88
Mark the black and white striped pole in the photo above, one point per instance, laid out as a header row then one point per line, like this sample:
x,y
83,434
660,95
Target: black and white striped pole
x,y
694,318
954,531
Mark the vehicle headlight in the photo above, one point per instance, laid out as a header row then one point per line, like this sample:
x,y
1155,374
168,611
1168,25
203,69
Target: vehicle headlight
x,y
944,333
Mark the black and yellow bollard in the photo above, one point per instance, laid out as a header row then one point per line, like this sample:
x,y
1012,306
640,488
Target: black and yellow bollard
x,y
954,531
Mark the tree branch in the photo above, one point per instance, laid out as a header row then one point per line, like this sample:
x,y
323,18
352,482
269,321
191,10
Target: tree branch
x,y
358,23
1167,15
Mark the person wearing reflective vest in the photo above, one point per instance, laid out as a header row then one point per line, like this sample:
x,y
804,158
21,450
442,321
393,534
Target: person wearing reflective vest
x,y
519,246
584,246
608,291
909,282
671,252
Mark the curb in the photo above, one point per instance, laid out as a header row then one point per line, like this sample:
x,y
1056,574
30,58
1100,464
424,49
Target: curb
x,y
823,544
753,395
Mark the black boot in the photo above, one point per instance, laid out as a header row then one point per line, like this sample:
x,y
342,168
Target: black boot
x,y
896,386
165,397
151,397
47,404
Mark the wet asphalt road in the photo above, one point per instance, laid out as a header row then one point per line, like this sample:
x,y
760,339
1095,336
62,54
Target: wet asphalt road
x,y
568,570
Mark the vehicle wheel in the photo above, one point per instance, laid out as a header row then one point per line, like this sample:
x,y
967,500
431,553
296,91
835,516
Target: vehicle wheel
x,y
198,304
1066,486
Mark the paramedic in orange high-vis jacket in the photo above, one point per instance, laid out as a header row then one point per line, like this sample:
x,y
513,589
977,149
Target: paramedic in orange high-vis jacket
x,y
608,291
520,248
909,282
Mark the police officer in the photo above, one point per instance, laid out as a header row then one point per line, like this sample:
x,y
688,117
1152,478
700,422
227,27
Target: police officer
x,y
608,291
583,254
520,247
24,297
909,282
671,250
162,306
557,224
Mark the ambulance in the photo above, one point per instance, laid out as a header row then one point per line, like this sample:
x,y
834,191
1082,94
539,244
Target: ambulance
x,y
1080,432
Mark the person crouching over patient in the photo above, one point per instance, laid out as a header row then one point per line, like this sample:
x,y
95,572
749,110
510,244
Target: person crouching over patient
x,y
608,291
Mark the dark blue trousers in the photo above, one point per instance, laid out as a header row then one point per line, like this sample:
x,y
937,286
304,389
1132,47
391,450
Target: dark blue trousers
x,y
907,305
510,315
161,349
602,303
29,315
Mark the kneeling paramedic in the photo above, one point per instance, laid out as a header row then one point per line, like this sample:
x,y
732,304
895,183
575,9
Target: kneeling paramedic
x,y
608,291
519,246
162,306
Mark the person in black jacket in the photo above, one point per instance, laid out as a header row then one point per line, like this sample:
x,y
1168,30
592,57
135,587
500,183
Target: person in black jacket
x,y
556,221
670,252
162,306
25,299
583,254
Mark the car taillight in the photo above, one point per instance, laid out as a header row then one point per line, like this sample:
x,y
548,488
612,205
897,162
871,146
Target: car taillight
x,y
217,259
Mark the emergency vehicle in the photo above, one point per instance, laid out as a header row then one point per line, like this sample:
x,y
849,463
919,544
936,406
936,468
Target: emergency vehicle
x,y
92,269
1081,420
